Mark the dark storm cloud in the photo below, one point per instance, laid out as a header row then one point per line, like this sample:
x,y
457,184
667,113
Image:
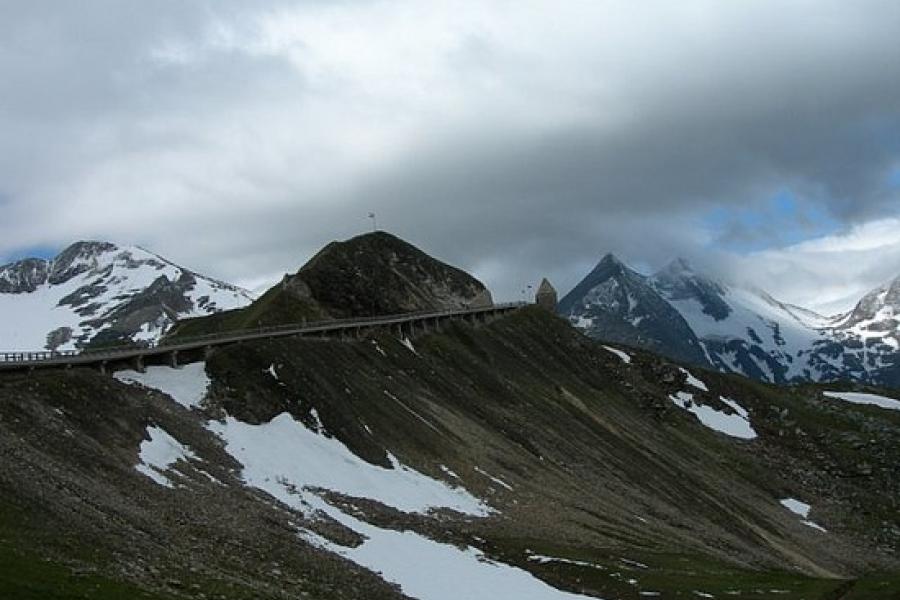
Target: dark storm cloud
x,y
516,140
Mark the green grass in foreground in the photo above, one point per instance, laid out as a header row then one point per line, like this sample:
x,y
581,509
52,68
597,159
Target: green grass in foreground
x,y
632,575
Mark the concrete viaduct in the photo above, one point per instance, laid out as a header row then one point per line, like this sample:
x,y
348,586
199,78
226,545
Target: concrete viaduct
x,y
193,349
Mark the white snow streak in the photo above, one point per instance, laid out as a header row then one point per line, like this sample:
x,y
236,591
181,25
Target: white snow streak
x,y
405,341
693,381
626,358
860,398
496,480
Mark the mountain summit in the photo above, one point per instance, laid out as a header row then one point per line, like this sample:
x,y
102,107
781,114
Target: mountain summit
x,y
99,293
618,304
378,273
372,274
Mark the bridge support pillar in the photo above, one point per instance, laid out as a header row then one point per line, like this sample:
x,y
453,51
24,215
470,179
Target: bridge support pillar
x,y
207,352
138,364
173,359
102,367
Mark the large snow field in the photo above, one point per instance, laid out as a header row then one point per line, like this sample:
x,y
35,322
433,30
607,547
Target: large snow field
x,y
282,457
289,461
750,309
429,570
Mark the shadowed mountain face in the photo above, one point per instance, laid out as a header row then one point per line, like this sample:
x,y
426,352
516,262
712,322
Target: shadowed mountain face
x,y
618,304
372,274
379,274
96,293
691,317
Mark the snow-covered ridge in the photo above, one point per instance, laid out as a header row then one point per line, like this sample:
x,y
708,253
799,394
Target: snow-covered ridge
x,y
101,291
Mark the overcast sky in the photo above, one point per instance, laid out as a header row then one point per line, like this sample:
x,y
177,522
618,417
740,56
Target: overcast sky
x,y
515,139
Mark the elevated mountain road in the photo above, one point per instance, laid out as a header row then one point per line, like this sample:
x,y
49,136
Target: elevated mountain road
x,y
185,350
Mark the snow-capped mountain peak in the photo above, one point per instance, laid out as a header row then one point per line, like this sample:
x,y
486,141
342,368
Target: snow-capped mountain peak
x,y
98,292
737,328
878,311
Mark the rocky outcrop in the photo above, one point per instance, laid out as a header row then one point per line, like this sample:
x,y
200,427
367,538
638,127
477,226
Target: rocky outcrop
x,y
378,274
372,274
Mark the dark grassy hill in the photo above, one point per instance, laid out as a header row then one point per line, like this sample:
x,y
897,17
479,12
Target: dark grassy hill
x,y
369,275
603,469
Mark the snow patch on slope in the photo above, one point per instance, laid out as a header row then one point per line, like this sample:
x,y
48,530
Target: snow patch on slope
x,y
860,398
291,463
736,425
801,509
283,457
187,385
429,570
160,453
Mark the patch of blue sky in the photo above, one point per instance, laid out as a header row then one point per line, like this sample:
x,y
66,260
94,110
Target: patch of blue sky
x,y
45,252
780,221
893,179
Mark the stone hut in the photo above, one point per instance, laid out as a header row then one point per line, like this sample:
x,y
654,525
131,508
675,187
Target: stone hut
x,y
546,296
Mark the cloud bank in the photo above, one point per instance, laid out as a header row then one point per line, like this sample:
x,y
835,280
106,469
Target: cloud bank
x,y
515,139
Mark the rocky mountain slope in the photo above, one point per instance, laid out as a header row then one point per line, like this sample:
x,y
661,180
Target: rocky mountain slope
x,y
691,317
99,293
517,459
371,274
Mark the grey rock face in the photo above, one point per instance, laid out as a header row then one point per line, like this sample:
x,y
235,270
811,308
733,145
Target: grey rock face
x,y
618,304
878,310
76,259
23,276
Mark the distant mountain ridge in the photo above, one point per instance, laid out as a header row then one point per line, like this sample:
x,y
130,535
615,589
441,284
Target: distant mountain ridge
x,y
695,318
99,293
